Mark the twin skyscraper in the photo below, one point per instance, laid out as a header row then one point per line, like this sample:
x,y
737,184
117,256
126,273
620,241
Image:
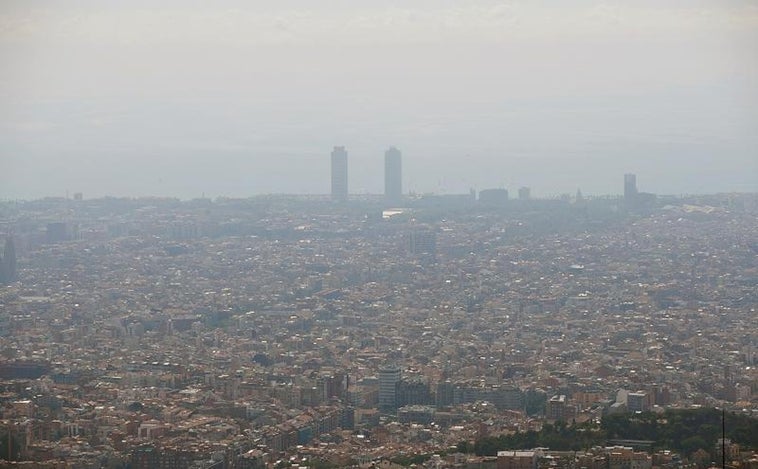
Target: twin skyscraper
x,y
393,174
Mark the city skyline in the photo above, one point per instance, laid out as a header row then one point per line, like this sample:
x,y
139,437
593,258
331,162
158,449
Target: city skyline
x,y
393,182
546,183
340,177
181,100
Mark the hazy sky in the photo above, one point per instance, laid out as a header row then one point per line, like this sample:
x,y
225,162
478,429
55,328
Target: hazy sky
x,y
236,98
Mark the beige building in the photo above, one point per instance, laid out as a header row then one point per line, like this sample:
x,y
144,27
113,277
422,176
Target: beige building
x,y
516,460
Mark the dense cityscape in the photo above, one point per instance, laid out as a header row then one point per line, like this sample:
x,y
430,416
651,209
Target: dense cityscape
x,y
473,330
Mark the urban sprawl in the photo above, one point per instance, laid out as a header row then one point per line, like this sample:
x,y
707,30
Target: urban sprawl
x,y
282,331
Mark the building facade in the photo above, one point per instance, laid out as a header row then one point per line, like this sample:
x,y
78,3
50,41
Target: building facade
x,y
339,173
630,187
393,175
389,379
516,460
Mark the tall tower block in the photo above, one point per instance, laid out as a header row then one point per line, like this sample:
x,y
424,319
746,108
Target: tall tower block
x,y
393,175
339,174
630,187
389,377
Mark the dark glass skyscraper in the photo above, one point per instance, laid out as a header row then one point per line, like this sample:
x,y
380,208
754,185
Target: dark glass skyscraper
x,y
393,175
339,173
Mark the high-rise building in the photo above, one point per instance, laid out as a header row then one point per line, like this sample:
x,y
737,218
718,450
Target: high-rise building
x,y
630,187
638,401
389,378
524,193
413,391
445,393
421,241
393,174
8,263
339,174
557,408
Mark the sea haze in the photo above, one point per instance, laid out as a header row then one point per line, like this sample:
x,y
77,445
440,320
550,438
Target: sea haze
x,y
190,100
